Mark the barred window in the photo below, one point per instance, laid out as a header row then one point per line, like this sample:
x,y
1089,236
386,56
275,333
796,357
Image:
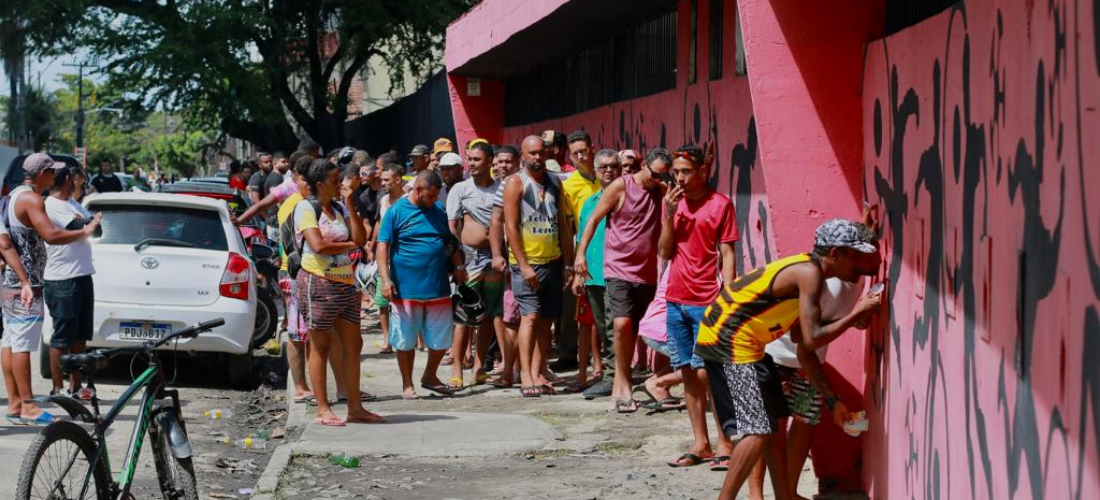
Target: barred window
x,y
634,62
715,27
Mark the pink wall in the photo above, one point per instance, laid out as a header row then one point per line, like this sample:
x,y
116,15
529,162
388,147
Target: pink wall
x,y
981,141
491,23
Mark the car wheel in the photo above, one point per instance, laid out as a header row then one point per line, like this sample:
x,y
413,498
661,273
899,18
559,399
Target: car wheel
x,y
267,318
239,370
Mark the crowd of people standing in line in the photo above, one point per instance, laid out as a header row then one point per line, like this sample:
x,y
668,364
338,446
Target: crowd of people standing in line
x,y
636,250
486,261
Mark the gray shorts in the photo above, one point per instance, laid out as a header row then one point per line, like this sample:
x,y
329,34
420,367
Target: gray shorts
x,y
546,301
22,325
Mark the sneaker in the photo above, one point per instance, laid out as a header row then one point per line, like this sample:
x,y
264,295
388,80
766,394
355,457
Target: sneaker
x,y
564,364
601,389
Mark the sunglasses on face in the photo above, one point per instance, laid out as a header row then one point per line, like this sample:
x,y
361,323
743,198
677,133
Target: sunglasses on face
x,y
687,155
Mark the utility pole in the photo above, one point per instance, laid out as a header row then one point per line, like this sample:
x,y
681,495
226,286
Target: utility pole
x,y
80,152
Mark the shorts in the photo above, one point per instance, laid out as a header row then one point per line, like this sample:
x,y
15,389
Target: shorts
x,y
322,302
71,304
584,312
658,346
803,401
478,262
546,301
511,307
490,287
747,397
22,325
683,331
431,319
380,301
296,330
597,300
627,299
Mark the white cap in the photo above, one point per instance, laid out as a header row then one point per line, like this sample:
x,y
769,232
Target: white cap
x,y
450,160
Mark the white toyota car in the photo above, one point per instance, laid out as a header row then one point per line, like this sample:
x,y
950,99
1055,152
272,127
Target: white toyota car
x,y
166,261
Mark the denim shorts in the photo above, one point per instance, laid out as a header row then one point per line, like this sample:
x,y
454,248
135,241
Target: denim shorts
x,y
683,331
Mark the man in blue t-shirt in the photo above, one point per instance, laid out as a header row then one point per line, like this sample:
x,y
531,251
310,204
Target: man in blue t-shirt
x,y
414,245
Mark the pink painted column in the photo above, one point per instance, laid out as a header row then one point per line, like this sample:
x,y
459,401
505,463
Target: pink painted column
x,y
804,69
476,116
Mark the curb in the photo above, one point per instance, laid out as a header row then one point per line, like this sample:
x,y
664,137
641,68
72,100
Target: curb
x,y
280,458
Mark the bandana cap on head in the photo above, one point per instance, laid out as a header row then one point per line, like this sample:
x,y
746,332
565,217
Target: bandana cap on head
x,y
627,153
845,234
36,163
419,150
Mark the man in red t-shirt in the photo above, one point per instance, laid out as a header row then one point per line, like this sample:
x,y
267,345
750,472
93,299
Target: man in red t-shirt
x,y
698,224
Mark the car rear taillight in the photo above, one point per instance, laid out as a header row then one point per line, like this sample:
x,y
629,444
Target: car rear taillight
x,y
236,279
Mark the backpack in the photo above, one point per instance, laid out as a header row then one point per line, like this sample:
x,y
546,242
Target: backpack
x,y
287,232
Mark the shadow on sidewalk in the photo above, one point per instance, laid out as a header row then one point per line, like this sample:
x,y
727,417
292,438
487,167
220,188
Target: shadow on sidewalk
x,y
405,418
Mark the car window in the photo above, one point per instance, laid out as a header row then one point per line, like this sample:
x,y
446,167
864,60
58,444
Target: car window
x,y
131,224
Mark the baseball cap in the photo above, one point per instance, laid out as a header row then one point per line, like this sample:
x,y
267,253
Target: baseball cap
x,y
846,234
36,163
443,144
420,150
627,153
475,142
450,160
551,137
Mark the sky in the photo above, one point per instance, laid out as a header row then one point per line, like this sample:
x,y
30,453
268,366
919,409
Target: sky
x,y
46,71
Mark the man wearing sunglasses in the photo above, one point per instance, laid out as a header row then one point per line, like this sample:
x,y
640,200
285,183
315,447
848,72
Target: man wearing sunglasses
x,y
632,205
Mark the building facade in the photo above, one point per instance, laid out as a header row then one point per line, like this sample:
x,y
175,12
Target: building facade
x,y
969,124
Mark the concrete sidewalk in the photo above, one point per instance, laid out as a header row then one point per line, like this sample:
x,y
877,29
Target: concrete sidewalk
x,y
483,423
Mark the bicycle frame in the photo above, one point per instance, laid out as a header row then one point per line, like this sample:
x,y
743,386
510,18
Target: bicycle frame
x,y
152,381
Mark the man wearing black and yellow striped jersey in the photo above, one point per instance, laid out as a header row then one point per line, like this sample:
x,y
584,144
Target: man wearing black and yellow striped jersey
x,y
758,308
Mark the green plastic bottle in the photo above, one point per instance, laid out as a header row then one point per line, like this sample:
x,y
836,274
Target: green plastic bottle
x,y
344,461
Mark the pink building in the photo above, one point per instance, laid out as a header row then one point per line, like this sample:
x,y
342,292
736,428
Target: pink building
x,y
972,125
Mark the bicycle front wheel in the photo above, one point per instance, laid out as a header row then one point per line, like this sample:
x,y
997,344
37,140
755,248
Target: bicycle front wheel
x,y
176,475
58,464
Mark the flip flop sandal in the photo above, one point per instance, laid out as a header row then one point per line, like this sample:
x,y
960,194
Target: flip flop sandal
x,y
500,384
363,396
330,422
720,463
447,360
692,461
547,390
14,419
530,391
310,399
42,420
456,383
626,406
386,350
481,378
668,404
438,389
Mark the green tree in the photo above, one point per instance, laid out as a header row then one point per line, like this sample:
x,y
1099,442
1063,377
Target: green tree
x,y
256,69
43,119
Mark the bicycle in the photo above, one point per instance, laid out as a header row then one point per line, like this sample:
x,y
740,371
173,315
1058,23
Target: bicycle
x,y
65,457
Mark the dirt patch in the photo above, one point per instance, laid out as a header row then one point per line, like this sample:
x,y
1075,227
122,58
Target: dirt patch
x,y
550,478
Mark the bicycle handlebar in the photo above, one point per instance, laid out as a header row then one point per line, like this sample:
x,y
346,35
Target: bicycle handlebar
x,y
97,359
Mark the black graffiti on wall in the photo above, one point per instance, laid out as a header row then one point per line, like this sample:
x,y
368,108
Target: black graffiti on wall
x,y
972,139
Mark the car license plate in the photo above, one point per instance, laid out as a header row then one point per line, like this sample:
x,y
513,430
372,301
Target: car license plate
x,y
132,330
259,239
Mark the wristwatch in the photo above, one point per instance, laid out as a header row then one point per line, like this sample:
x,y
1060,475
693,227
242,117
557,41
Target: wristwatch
x,y
831,401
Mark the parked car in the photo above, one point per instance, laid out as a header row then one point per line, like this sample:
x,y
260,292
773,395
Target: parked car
x,y
267,316
14,174
165,261
224,181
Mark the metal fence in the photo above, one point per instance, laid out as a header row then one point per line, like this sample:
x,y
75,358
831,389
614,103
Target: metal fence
x,y
634,62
